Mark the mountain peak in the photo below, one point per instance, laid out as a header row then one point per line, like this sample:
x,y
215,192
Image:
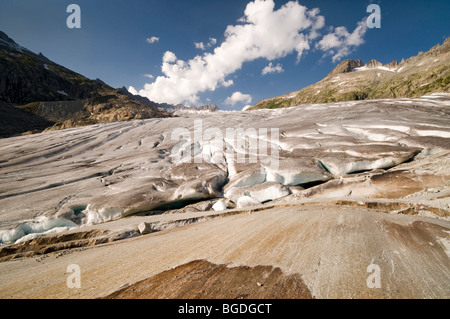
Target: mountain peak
x,y
7,39
441,48
345,67
373,64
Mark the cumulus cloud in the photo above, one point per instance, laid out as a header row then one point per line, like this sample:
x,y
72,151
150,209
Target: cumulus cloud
x,y
212,42
238,98
262,32
200,45
227,83
169,57
340,43
272,69
152,40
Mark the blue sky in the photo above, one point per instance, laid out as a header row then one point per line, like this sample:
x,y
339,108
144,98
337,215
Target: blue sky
x,y
112,42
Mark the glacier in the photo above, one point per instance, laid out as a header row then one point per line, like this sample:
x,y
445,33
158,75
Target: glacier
x,y
96,174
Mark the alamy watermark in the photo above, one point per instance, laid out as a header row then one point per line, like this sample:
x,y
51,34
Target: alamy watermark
x,y
374,20
74,278
213,145
374,279
74,19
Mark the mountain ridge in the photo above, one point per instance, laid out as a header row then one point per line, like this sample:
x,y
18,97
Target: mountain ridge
x,y
419,75
31,85
169,107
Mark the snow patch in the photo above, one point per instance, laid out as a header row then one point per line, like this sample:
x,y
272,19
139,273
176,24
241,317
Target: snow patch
x,y
247,178
335,79
263,192
295,178
77,216
337,168
365,68
444,134
372,136
94,216
400,128
247,201
291,96
219,206
39,227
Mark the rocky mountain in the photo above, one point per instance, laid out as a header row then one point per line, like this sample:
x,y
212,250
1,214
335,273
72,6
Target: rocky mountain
x,y
417,76
209,108
34,84
186,108
169,107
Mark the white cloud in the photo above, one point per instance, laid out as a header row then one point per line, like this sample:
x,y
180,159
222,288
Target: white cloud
x,y
227,83
340,43
238,98
133,91
169,57
152,40
149,76
212,42
199,45
202,46
266,33
272,69
262,32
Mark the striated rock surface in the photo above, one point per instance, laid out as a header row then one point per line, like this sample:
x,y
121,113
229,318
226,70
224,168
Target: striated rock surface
x,y
321,250
103,172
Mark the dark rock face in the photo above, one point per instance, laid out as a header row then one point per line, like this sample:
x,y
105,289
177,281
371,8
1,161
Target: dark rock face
x,y
26,77
62,110
15,121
